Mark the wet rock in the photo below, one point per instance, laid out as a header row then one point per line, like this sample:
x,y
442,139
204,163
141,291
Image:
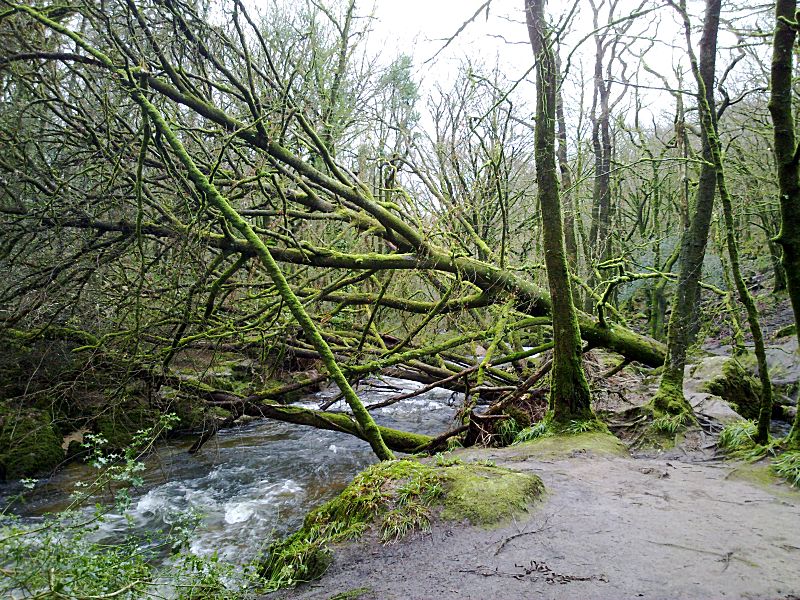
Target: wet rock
x,y
713,407
719,380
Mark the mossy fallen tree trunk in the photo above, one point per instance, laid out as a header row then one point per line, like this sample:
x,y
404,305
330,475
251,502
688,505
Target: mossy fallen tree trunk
x,y
531,300
400,441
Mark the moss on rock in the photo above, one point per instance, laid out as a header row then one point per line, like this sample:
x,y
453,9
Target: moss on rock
x,y
565,445
737,387
120,423
394,498
390,489
28,442
486,495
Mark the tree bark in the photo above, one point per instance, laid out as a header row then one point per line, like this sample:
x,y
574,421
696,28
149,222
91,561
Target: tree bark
x,y
669,398
787,157
570,200
570,398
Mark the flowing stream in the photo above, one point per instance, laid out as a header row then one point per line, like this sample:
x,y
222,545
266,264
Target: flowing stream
x,y
251,483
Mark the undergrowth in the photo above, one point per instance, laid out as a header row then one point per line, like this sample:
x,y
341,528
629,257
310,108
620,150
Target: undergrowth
x,y
739,435
59,556
670,424
507,431
738,439
548,427
787,465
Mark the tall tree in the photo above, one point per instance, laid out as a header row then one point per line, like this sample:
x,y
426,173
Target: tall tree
x,y
669,398
711,139
570,397
787,156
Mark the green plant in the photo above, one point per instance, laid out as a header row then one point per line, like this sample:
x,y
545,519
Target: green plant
x,y
585,426
507,431
739,435
540,429
59,556
787,465
669,424
447,459
548,427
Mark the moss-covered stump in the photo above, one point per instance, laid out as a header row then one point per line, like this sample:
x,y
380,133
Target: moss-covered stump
x,y
732,383
394,498
29,443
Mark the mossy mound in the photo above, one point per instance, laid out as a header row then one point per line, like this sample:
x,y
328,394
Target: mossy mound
x,y
397,492
566,445
737,387
29,443
394,498
487,495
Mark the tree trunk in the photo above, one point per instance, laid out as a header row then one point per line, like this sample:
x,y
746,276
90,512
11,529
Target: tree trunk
x,y
786,156
569,395
669,398
366,425
566,185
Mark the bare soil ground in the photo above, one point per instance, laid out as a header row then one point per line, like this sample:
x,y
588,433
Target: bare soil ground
x,y
610,527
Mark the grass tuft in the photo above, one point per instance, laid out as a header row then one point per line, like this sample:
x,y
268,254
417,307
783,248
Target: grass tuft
x,y
547,427
534,432
669,424
737,436
787,465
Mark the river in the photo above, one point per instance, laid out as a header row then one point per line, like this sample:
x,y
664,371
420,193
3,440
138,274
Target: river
x,y
251,483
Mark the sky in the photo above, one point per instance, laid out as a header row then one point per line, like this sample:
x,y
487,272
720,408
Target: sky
x,y
421,27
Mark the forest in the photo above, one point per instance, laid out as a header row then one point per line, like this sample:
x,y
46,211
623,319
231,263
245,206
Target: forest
x,y
253,236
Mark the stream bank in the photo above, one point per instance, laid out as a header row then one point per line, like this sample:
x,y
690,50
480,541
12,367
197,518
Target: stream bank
x,y
610,526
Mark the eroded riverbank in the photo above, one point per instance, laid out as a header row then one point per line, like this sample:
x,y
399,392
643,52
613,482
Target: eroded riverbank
x,y
610,527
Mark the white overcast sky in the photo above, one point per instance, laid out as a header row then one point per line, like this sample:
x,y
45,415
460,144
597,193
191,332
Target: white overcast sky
x,y
420,28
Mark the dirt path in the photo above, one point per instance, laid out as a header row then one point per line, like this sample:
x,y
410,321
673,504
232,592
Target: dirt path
x,y
610,527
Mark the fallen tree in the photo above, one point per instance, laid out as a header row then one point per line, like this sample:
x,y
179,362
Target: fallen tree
x,y
225,219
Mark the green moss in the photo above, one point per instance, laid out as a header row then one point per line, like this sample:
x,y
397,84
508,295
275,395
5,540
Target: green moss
x,y
548,426
195,415
28,442
786,331
486,495
120,423
564,445
737,387
394,498
669,400
763,475
399,491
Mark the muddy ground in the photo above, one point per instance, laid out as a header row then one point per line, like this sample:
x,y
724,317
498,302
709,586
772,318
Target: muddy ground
x,y
611,526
